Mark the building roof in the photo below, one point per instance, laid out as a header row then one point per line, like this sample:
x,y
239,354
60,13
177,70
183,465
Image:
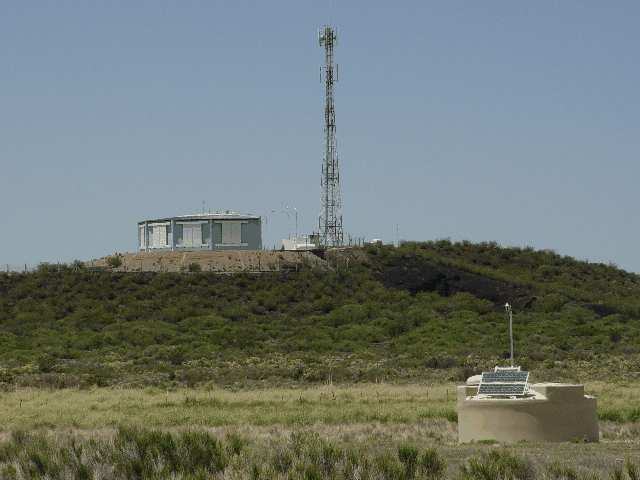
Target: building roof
x,y
226,215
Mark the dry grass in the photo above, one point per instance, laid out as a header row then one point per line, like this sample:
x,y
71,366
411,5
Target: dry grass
x,y
375,418
214,407
98,408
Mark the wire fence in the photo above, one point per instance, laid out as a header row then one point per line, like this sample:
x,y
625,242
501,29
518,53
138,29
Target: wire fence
x,y
21,268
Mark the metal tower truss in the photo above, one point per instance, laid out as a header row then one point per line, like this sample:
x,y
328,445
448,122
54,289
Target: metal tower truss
x,y
331,234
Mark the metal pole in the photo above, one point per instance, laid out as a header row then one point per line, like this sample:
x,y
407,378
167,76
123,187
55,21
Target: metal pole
x,y
509,311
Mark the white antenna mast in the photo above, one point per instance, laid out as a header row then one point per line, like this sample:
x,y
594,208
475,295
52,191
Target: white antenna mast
x,y
509,312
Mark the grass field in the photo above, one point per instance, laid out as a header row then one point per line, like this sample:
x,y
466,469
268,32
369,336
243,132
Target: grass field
x,y
294,426
212,407
324,405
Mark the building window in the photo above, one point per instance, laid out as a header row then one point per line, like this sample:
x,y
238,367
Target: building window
x,y
141,239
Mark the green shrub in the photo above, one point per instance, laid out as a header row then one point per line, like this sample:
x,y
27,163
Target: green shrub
x,y
235,444
408,456
432,465
194,267
200,451
141,454
610,415
388,467
114,261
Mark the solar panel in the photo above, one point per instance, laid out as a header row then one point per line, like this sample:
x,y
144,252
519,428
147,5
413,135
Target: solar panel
x,y
502,389
505,376
504,382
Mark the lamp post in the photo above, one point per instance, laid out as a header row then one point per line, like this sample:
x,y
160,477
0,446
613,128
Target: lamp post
x,y
295,211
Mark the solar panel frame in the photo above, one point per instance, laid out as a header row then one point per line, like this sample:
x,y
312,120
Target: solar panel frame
x,y
504,383
502,389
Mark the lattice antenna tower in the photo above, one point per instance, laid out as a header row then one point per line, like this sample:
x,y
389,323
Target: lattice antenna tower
x,y
331,234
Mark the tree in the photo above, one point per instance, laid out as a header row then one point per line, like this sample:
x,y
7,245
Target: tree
x,y
114,261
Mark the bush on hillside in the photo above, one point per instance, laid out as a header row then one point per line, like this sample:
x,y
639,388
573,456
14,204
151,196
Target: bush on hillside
x,y
114,261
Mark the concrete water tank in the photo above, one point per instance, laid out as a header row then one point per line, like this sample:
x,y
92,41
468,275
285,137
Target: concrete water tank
x,y
551,412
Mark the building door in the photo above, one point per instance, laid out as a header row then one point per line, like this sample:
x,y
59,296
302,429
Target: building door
x,y
231,233
159,236
192,235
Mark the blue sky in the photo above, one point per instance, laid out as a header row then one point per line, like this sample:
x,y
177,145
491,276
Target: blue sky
x,y
508,121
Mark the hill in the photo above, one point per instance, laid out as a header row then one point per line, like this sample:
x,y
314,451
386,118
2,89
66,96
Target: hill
x,y
424,311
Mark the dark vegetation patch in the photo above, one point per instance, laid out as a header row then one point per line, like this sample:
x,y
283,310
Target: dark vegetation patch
x,y
418,274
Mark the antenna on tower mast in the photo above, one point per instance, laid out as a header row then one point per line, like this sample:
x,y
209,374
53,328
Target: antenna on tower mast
x,y
331,234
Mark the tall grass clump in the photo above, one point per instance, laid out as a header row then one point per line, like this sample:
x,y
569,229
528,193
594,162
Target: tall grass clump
x,y
306,456
132,454
408,456
628,471
142,454
497,465
633,471
429,465
432,465
560,471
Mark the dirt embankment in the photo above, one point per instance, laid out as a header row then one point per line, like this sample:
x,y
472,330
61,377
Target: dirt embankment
x,y
230,261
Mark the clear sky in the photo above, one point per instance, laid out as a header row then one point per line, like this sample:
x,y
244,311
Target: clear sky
x,y
499,120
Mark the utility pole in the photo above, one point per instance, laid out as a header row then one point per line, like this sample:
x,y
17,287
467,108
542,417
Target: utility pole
x,y
330,224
